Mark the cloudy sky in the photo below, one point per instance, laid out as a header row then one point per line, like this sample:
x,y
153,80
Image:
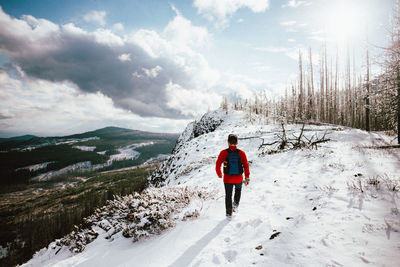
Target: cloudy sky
x,y
73,66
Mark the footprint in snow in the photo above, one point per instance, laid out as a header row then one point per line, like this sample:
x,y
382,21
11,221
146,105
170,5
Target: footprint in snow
x,y
324,242
230,255
364,259
216,259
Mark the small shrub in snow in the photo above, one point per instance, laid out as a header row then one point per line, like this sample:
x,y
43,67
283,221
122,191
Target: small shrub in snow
x,y
373,183
392,184
330,189
135,216
190,215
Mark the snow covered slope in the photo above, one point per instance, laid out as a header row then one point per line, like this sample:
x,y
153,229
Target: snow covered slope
x,y
334,206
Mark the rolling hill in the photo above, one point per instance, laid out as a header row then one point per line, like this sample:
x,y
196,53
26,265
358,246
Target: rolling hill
x,y
27,158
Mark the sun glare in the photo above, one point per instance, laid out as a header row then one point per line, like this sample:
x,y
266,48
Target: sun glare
x,y
343,22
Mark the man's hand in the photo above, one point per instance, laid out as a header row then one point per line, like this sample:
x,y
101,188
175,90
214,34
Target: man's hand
x,y
246,181
220,176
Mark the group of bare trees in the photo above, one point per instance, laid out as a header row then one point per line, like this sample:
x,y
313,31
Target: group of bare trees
x,y
338,97
390,79
334,92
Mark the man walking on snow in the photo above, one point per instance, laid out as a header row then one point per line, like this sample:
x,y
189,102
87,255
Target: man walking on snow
x,y
235,162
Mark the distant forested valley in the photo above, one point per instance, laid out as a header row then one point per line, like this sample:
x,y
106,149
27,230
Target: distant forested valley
x,y
49,184
23,161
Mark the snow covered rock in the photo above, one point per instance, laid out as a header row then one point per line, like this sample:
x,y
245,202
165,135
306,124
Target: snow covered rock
x,y
208,123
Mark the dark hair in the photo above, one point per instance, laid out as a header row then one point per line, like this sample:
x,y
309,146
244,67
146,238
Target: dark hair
x,y
232,139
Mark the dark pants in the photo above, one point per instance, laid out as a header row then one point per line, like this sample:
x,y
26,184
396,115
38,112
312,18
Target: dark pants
x,y
228,196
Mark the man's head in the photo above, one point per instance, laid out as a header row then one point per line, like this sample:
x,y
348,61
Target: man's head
x,y
232,139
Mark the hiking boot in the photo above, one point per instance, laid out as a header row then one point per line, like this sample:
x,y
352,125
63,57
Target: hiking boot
x,y
235,207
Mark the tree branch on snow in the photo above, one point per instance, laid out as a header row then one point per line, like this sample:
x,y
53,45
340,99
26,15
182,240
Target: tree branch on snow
x,y
300,141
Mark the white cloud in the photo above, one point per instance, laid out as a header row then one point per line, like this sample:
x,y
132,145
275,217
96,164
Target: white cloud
x,y
288,23
44,108
240,20
152,73
272,49
31,29
291,52
70,28
125,57
40,27
220,11
150,41
137,75
319,36
182,32
191,102
295,3
261,67
119,27
290,40
107,37
95,16
180,41
292,25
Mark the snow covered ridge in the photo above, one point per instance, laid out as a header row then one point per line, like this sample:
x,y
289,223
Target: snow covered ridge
x,y
208,123
36,167
60,141
337,205
134,216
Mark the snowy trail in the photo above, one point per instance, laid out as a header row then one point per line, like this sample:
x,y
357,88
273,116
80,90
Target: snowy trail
x,y
303,194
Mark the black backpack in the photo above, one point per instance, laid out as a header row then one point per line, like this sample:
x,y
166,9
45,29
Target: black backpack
x,y
233,164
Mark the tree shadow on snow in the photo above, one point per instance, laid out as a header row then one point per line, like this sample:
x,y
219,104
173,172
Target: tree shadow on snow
x,y
188,256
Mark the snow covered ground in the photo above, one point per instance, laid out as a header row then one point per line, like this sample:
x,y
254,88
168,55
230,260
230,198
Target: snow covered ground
x,y
36,167
335,206
128,152
85,148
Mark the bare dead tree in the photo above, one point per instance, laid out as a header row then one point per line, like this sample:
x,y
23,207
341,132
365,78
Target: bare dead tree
x,y
321,91
326,84
284,143
301,89
225,104
367,107
311,111
335,105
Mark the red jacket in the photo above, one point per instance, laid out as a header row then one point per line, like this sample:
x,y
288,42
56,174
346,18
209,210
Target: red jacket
x,y
232,179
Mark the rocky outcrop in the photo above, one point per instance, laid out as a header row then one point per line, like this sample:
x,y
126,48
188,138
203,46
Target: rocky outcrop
x,y
209,122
